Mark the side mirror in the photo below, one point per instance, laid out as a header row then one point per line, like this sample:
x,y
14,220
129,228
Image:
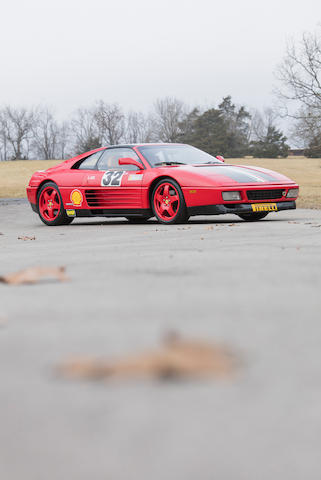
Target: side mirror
x,y
130,161
220,157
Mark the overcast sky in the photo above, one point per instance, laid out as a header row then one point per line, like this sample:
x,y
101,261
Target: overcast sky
x,y
69,53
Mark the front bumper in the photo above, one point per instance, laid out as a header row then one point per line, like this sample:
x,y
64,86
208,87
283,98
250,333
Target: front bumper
x,y
235,208
34,207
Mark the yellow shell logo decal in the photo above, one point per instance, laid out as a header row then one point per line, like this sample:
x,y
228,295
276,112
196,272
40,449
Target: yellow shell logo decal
x,y
76,198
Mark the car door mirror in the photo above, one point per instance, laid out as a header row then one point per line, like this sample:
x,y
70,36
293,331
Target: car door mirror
x,y
220,157
130,161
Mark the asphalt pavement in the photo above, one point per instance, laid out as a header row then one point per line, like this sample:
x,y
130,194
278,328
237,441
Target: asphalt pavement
x,y
253,286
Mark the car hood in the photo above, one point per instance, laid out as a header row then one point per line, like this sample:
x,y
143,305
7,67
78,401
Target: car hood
x,y
230,175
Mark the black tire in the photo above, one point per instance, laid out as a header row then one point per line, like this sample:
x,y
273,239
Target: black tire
x,y
61,216
181,215
253,216
137,219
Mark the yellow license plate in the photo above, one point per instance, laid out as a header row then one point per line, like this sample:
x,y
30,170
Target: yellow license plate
x,y
264,207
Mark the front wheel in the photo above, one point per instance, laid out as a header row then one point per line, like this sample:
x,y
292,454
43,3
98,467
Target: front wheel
x,y
50,206
253,216
168,202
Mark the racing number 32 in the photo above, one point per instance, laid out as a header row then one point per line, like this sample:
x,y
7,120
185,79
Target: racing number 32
x,y
111,179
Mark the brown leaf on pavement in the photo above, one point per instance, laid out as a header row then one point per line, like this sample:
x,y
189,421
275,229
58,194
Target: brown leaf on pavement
x,y
25,237
177,358
35,275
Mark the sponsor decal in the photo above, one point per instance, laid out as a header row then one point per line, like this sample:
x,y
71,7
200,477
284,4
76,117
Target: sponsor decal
x,y
192,191
71,213
76,198
136,176
264,207
112,178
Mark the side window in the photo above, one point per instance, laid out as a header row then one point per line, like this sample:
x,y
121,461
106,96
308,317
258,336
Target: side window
x,y
110,157
90,162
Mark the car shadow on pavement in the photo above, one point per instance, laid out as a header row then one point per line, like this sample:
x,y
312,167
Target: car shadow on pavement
x,y
195,221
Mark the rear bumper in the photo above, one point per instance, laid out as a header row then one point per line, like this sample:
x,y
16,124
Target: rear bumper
x,y
235,208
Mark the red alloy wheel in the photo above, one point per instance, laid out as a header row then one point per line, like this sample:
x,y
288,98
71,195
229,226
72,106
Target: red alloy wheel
x,y
166,201
49,204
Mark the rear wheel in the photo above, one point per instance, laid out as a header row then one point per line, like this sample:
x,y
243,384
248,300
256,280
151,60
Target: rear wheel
x,y
50,206
253,216
168,202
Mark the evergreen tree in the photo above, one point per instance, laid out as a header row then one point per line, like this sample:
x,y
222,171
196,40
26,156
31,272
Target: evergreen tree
x,y
237,125
223,130
314,149
272,145
208,132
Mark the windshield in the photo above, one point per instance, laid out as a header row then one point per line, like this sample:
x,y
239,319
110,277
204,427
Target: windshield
x,y
161,155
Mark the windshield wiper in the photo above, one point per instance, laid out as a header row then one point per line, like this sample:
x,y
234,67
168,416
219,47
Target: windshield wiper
x,y
168,163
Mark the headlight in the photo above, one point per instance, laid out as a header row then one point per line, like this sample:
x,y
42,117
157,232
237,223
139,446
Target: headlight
x,y
292,193
228,196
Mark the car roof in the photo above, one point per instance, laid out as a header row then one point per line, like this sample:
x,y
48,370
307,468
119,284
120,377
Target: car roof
x,y
131,145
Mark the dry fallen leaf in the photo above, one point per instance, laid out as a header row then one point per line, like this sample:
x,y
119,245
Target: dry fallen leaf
x,y
35,275
177,358
24,238
210,228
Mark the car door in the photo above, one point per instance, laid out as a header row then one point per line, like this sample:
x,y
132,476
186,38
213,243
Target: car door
x,y
112,186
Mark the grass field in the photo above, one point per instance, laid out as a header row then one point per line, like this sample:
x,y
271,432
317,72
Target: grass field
x,y
14,176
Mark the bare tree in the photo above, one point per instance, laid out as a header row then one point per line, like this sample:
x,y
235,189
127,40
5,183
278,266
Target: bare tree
x,y
3,139
16,129
64,140
110,120
261,122
85,130
139,128
45,131
169,113
300,73
300,77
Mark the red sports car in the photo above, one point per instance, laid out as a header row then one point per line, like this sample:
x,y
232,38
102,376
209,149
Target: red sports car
x,y
169,181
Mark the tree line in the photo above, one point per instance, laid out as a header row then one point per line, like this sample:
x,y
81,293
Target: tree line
x,y
225,129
